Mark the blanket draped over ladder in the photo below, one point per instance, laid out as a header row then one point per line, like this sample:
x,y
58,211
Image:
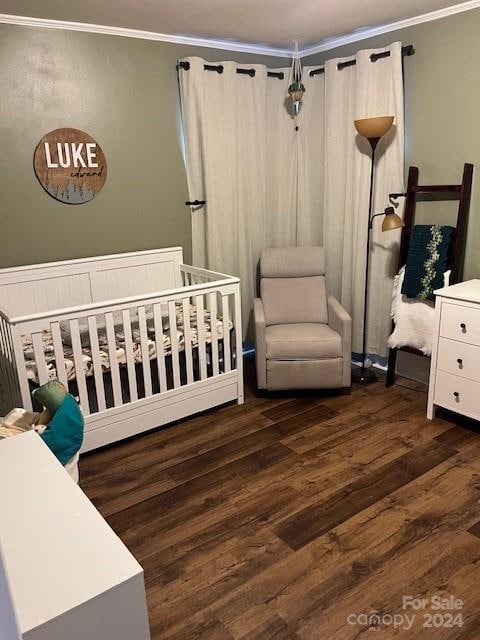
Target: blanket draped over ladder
x,y
427,260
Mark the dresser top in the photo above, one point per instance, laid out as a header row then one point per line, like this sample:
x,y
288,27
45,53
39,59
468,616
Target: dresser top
x,y
469,291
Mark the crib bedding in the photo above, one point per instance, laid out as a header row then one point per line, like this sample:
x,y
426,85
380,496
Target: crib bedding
x,y
70,369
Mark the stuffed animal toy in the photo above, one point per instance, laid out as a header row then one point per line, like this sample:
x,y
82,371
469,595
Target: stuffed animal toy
x,y
60,424
50,396
63,419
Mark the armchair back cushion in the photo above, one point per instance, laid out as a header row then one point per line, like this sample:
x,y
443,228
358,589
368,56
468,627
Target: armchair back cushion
x,y
292,287
292,262
294,300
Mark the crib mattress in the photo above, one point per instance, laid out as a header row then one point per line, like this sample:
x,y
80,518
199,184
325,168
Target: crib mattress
x,y
48,348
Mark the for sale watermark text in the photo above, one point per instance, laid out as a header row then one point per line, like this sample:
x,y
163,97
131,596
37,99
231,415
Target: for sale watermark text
x,y
437,611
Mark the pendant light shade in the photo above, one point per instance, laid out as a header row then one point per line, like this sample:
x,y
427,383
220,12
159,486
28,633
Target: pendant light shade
x,y
374,127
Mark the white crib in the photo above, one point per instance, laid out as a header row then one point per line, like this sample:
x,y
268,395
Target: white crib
x,y
140,338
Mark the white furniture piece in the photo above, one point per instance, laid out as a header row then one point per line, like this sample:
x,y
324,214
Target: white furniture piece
x,y
171,361
69,575
455,365
8,620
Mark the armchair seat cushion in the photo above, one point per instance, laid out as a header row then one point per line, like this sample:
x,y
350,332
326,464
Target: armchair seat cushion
x,y
307,341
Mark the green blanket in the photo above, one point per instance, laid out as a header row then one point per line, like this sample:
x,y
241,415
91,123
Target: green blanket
x,y
427,260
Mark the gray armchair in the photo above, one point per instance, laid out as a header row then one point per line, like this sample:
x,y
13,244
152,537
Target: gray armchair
x,y
303,338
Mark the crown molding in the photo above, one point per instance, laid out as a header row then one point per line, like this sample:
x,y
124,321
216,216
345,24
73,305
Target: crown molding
x,y
363,34
243,47
227,45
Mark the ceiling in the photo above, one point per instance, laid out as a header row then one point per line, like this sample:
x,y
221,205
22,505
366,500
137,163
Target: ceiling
x,y
273,23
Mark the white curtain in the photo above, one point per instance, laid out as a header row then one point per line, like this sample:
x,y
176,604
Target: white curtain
x,y
281,166
268,184
241,158
311,125
363,90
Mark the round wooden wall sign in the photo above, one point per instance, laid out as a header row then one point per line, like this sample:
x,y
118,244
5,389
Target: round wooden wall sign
x,y
70,165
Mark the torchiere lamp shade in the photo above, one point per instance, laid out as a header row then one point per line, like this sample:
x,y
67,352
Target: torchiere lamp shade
x,y
374,127
392,220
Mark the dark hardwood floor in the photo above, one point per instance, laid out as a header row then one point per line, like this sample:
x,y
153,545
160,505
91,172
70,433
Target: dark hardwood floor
x,y
289,516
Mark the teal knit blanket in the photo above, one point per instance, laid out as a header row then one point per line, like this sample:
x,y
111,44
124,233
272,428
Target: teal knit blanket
x,y
64,433
427,260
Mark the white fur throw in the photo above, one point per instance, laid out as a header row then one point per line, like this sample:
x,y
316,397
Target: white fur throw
x,y
413,318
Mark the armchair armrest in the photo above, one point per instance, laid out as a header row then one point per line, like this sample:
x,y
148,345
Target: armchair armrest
x,y
340,321
260,344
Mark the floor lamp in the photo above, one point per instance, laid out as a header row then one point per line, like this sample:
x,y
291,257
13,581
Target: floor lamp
x,y
373,129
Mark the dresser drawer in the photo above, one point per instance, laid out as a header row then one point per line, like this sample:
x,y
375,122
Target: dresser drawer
x,y
460,323
457,394
459,358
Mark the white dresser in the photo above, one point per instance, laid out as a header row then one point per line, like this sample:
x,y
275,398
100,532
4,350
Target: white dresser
x,y
64,574
455,367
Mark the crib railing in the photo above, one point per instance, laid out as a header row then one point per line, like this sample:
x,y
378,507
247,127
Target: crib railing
x,y
195,275
10,395
138,346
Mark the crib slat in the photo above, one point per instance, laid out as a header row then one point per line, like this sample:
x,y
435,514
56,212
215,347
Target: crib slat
x,y
39,355
159,347
97,363
21,369
5,369
9,379
226,335
187,338
202,355
213,329
58,352
15,375
132,378
172,321
112,357
79,367
147,373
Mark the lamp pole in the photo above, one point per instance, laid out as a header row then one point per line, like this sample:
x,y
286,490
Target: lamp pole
x,y
367,375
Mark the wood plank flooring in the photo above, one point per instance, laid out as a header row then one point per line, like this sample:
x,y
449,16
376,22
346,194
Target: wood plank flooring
x,y
289,516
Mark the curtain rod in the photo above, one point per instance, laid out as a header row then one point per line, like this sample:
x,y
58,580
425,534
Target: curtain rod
x,y
408,50
219,69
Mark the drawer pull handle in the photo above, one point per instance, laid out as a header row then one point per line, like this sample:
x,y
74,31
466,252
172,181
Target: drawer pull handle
x,y
460,362
463,326
456,395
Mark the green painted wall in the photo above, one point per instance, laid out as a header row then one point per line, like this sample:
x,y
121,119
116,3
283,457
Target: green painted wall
x,y
123,92
442,100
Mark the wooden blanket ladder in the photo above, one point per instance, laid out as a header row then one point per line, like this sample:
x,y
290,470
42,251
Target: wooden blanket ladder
x,y
439,192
